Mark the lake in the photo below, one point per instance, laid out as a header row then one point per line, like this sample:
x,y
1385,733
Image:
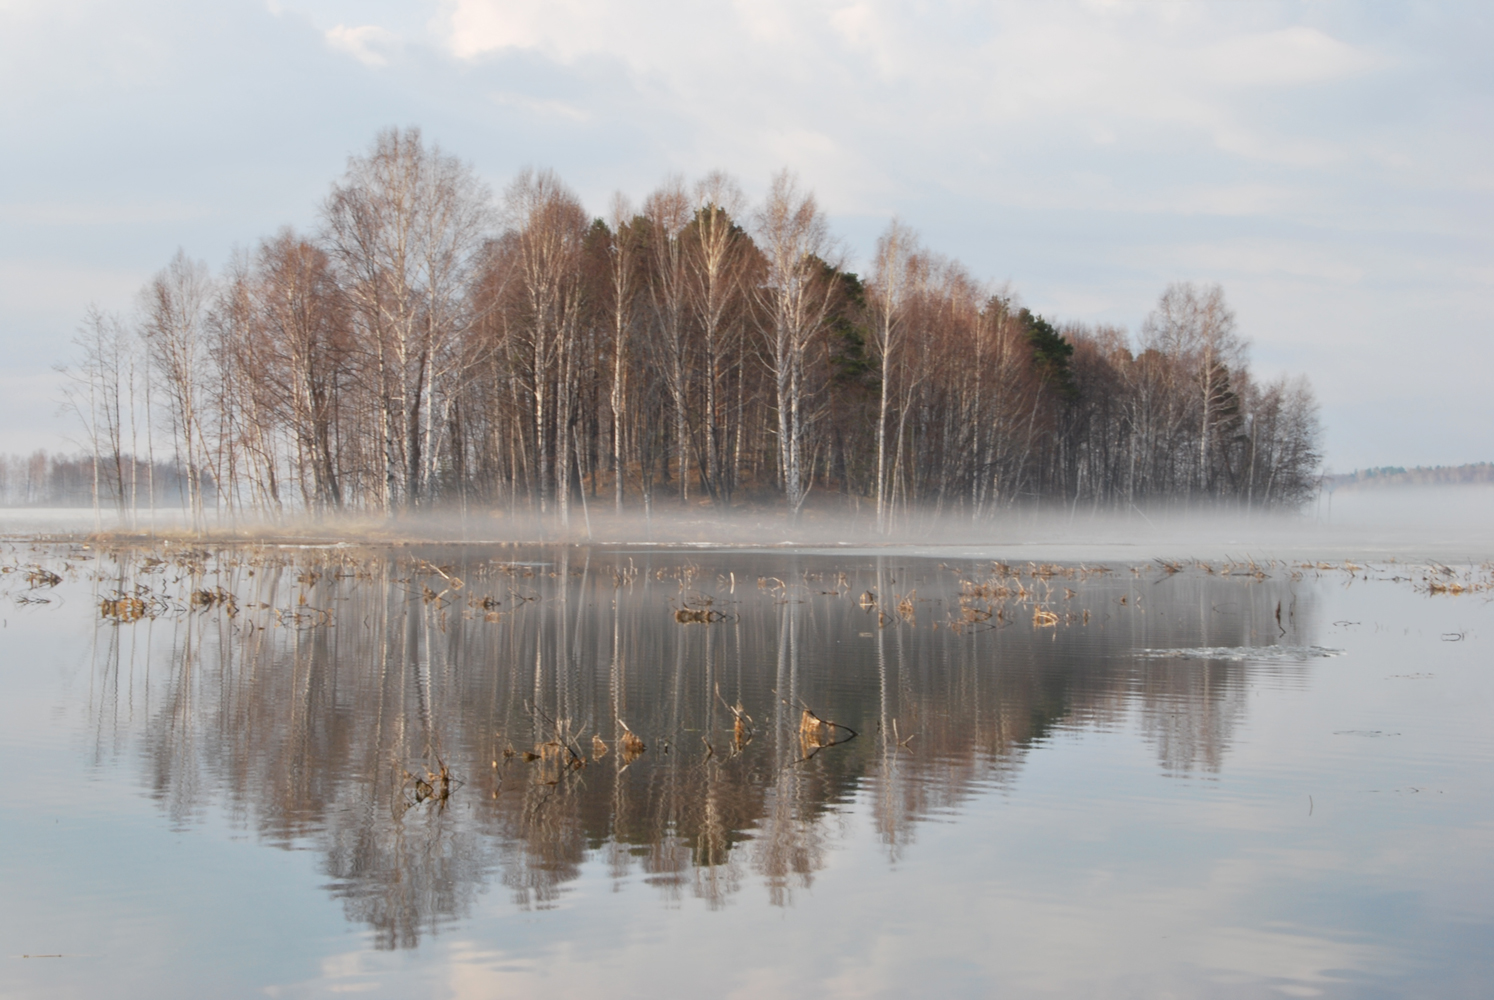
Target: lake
x,y
632,771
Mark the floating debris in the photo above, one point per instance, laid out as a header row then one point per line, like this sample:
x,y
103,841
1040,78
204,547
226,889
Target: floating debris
x,y
698,616
816,733
1242,654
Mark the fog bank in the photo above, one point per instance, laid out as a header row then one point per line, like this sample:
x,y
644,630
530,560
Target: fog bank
x,y
1443,523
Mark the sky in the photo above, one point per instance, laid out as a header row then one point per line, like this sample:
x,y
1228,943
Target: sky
x,y
1327,162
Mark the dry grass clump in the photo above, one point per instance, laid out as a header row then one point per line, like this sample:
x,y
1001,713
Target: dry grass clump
x,y
991,590
741,730
983,602
122,609
630,746
1445,581
214,598
434,786
39,577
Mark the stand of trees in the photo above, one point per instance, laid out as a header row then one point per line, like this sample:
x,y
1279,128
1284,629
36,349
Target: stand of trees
x,y
49,479
430,345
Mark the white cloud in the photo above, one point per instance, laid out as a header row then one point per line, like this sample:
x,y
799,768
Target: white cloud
x,y
875,66
369,44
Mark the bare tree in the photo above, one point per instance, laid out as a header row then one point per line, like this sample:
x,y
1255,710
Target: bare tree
x,y
546,231
300,353
1195,326
175,307
667,212
622,284
718,259
100,392
894,270
797,298
405,226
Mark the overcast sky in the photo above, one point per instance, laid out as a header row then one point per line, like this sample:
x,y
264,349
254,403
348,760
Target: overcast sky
x,y
1328,162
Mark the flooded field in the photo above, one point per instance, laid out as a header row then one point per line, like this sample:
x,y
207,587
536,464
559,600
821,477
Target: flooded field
x,y
476,771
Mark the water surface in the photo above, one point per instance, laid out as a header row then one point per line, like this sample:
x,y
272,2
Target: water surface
x,y
1191,780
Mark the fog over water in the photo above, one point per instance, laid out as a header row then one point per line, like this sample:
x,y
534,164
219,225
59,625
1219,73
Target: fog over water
x,y
1452,522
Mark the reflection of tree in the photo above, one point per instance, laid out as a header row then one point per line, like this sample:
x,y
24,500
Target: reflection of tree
x,y
1190,706
1190,709
310,713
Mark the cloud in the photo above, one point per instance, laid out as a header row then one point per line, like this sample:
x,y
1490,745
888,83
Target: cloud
x,y
741,73
369,44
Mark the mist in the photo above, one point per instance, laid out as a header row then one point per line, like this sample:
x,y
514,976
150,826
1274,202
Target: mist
x,y
1413,523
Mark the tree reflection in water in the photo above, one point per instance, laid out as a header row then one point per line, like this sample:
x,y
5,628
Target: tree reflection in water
x,y
309,709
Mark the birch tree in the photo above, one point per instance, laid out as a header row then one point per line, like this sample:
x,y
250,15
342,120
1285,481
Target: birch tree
x,y
894,266
622,284
667,212
404,226
717,258
797,295
175,306
100,392
546,228
1194,326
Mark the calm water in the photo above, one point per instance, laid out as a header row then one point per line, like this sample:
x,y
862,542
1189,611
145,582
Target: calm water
x,y
1039,781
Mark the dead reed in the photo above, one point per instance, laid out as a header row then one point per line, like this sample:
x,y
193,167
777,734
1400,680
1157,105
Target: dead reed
x,y
816,733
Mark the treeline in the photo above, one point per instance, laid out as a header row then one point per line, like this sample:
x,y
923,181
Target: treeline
x,y
1395,475
49,479
430,345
